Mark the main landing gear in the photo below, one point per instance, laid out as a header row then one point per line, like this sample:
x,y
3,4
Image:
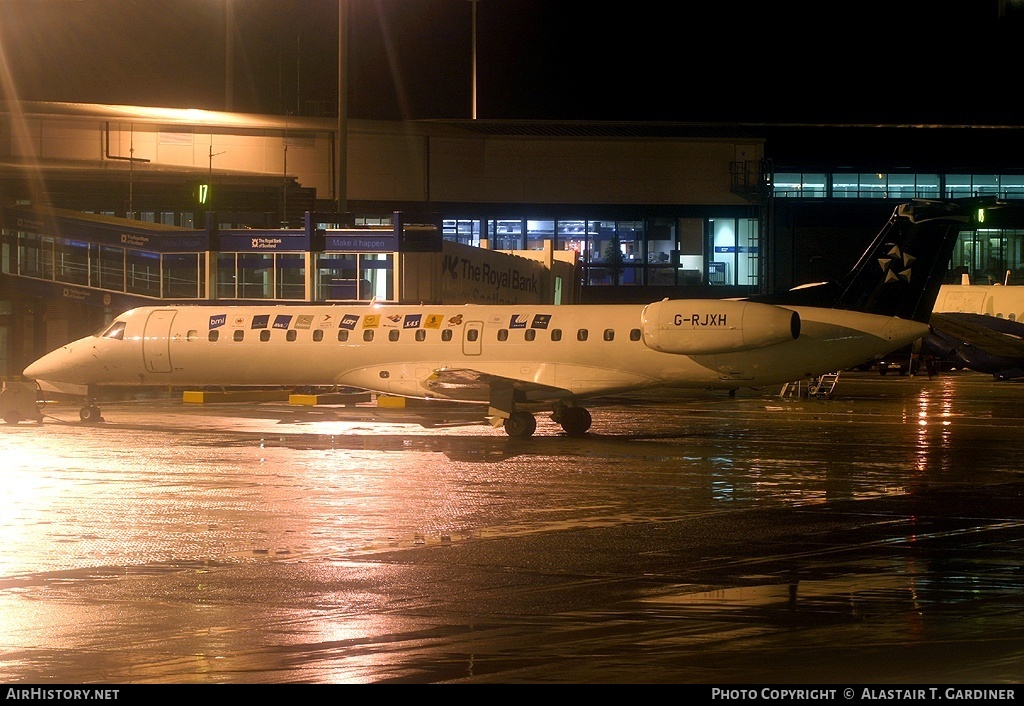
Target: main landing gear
x,y
575,421
520,424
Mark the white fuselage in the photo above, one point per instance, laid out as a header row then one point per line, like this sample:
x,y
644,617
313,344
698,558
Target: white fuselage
x,y
458,352
1001,301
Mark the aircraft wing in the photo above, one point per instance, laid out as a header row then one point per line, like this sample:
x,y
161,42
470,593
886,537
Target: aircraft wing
x,y
996,337
982,343
473,384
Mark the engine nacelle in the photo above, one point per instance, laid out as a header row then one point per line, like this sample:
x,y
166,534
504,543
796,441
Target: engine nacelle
x,y
707,326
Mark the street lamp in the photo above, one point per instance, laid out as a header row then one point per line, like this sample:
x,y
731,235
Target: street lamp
x,y
342,141
229,55
473,3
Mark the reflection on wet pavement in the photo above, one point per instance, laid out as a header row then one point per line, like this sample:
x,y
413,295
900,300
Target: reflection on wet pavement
x,y
874,537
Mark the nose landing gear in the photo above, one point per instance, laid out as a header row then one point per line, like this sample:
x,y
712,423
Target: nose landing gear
x,y
90,413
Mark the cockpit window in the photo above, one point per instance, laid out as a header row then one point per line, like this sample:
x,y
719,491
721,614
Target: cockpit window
x,y
115,331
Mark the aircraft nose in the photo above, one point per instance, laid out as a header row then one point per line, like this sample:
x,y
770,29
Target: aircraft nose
x,y
35,370
46,368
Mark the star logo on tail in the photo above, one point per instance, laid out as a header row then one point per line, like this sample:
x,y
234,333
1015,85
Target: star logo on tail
x,y
896,265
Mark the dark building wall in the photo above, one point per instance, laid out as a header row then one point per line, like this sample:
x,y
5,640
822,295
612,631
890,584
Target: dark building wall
x,y
819,241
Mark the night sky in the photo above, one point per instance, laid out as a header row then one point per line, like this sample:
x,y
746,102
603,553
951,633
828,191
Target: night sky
x,y
869,61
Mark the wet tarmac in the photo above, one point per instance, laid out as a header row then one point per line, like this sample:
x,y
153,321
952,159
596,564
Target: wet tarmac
x,y
695,538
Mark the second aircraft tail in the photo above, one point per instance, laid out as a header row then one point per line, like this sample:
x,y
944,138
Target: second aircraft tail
x,y
900,272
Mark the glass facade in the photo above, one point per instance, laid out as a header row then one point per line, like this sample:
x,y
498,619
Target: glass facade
x,y
114,269
990,256
248,275
987,255
900,186
661,251
238,274
711,250
355,276
735,246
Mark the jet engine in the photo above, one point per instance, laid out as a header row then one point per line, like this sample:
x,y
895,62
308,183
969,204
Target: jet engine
x,y
709,326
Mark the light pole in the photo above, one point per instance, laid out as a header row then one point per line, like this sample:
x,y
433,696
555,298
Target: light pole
x,y
342,141
229,55
473,20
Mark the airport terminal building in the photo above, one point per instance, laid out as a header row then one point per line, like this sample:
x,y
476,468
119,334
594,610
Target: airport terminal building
x,y
107,207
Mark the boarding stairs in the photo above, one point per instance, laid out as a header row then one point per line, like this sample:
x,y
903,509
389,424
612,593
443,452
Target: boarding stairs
x,y
821,387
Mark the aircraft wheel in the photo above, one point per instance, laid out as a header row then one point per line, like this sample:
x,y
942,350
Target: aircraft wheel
x,y
575,420
89,413
520,425
12,417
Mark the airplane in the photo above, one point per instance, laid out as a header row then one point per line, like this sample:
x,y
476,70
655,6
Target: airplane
x,y
979,327
522,358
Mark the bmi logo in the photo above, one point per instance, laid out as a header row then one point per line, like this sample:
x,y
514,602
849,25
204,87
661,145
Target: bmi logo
x,y
896,265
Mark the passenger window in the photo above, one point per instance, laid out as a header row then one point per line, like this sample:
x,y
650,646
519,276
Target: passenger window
x,y
609,334
265,335
472,334
342,335
446,335
292,333
393,334
556,334
368,335
634,334
214,335
530,334
581,335
192,335
238,335
318,335
503,334
421,334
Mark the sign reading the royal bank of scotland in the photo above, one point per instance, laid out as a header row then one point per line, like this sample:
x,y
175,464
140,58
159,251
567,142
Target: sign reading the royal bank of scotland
x,y
262,241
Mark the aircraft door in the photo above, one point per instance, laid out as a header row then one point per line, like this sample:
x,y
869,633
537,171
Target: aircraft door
x,y
156,341
472,335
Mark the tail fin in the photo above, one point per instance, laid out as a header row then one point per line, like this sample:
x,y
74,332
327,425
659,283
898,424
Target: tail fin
x,y
901,271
